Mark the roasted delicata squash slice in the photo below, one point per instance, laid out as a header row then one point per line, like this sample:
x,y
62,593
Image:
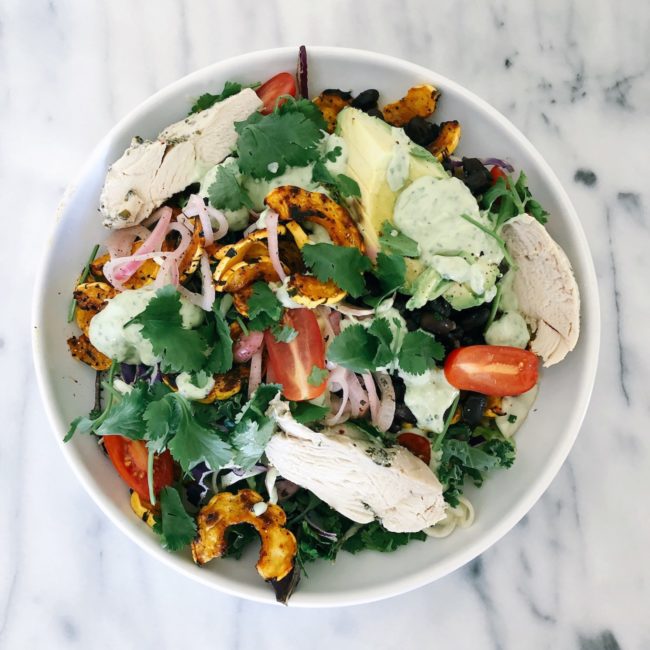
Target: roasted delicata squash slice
x,y
91,298
295,204
263,233
226,385
311,292
419,101
143,509
192,256
299,235
331,102
240,300
233,254
447,140
81,348
278,552
244,274
493,408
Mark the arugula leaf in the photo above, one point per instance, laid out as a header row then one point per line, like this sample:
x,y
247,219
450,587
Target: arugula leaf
x,y
283,333
347,187
162,325
343,265
175,527
207,100
317,376
514,199
226,192
254,428
306,412
419,352
125,417
264,309
289,137
393,241
220,358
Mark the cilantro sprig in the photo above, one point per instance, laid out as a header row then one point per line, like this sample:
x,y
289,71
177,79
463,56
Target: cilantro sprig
x,y
226,191
362,349
393,241
175,527
341,264
207,100
289,136
347,187
181,349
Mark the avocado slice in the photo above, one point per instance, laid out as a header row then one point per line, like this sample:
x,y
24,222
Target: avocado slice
x,y
371,145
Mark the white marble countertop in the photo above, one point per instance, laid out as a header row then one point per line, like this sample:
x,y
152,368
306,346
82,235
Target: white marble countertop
x,y
574,76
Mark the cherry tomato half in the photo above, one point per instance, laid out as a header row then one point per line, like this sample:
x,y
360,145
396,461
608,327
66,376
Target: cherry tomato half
x,y
496,173
292,363
282,84
418,445
496,370
130,460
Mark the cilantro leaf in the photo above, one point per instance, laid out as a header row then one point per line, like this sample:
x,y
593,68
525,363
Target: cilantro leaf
x,y
289,137
332,155
355,349
283,333
381,331
419,352
344,185
193,442
220,358
254,428
395,242
390,271
264,309
343,265
159,418
207,100
226,192
175,527
317,376
179,348
306,412
125,416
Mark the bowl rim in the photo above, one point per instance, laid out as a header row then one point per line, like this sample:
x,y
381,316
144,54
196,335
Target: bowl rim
x,y
590,312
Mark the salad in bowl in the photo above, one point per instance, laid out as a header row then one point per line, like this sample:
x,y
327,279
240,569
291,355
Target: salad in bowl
x,y
313,324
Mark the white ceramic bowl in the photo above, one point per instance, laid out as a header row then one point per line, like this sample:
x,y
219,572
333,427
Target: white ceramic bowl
x,y
543,442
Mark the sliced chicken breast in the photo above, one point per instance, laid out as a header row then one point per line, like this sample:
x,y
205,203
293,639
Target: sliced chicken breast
x,y
150,172
362,480
545,287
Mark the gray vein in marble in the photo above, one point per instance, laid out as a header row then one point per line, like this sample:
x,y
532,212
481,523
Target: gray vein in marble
x,y
477,580
604,641
622,360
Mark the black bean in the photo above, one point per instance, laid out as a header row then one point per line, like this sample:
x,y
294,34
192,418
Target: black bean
x,y
473,408
403,414
366,100
476,176
343,94
411,323
441,306
421,131
432,322
475,318
375,112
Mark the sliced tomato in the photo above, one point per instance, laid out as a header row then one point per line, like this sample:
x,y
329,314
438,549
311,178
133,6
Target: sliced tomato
x,y
418,445
130,460
292,363
282,84
496,173
496,370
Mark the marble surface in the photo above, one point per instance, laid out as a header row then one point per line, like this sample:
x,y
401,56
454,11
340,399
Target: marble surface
x,y
574,75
